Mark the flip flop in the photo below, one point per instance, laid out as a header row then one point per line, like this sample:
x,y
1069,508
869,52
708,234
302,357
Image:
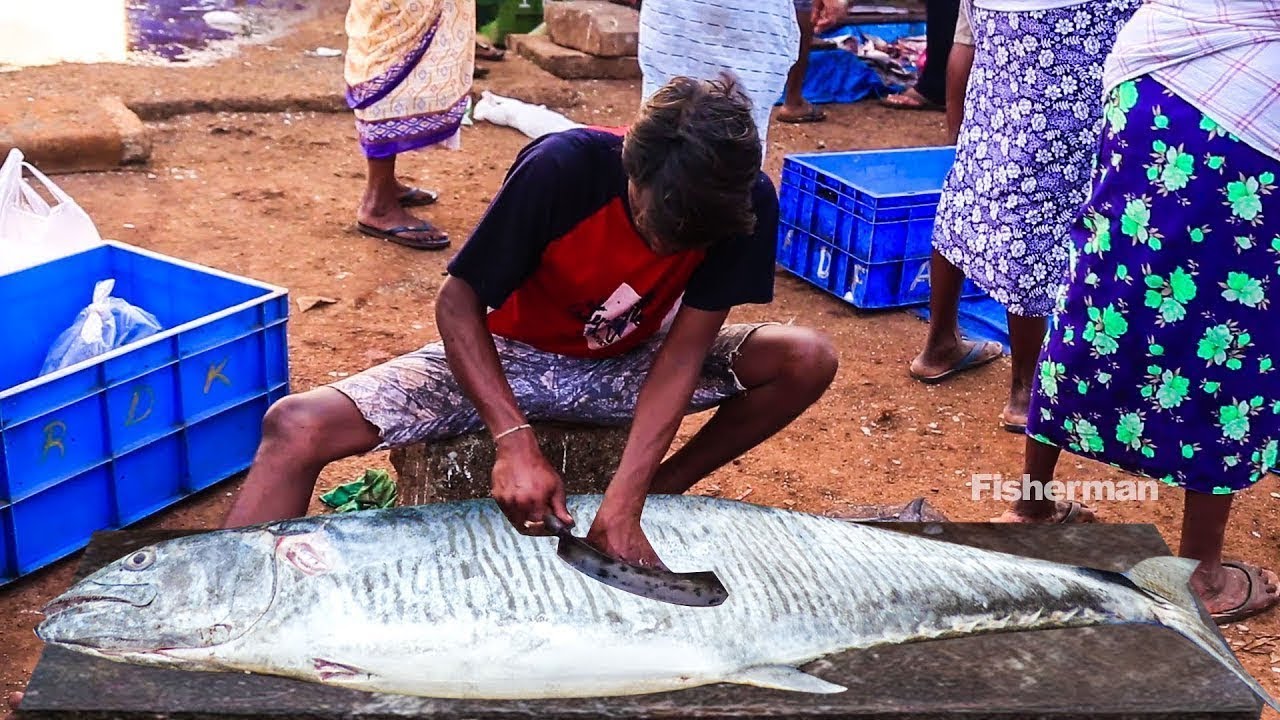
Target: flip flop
x,y
486,51
417,197
912,104
1256,599
814,115
1013,427
396,235
1073,511
970,361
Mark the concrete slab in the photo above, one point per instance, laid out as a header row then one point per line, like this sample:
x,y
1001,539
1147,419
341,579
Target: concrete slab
x,y
1118,673
62,134
595,27
571,64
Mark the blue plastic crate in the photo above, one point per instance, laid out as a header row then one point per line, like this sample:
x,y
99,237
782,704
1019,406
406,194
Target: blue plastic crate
x,y
865,285
878,205
112,440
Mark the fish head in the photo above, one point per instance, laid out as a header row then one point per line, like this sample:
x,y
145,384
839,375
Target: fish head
x,y
161,603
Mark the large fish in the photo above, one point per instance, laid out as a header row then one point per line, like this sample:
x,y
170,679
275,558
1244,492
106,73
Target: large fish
x,y
447,600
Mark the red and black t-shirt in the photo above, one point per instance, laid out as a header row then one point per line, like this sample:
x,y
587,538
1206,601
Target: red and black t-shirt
x,y
558,259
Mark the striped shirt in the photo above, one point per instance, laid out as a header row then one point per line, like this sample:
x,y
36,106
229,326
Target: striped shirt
x,y
1222,56
756,41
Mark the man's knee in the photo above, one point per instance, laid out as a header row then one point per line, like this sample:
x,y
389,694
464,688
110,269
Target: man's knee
x,y
316,425
809,361
799,358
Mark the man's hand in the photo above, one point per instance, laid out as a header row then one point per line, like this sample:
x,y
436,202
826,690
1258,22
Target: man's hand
x,y
620,536
826,13
525,485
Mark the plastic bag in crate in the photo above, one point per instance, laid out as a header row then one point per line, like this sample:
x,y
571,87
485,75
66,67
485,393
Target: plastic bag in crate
x,y
106,324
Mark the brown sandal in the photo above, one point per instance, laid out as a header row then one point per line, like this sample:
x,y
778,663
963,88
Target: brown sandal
x,y
1256,599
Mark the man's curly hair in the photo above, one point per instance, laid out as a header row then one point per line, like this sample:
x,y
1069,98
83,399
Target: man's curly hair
x,y
695,150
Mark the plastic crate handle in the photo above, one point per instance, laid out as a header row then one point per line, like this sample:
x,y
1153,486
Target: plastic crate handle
x,y
828,194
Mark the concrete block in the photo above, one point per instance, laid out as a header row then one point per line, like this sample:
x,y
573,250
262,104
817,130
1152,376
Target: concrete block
x,y
595,27
570,64
66,135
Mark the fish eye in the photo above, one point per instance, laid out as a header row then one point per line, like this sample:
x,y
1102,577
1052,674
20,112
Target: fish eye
x,y
140,560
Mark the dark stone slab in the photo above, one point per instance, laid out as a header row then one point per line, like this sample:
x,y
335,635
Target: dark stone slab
x,y
1114,672
459,468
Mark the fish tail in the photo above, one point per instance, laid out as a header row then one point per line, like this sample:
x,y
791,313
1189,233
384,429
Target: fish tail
x,y
1168,579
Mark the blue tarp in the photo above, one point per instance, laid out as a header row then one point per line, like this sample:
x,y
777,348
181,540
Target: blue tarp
x,y
839,76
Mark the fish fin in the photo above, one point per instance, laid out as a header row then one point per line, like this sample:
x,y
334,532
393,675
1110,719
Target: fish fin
x,y
310,554
329,670
1169,579
784,677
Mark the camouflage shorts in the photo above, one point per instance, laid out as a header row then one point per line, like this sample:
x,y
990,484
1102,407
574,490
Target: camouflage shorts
x,y
415,398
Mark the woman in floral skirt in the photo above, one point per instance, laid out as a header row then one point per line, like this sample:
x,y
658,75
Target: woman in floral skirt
x,y
1031,121
1162,360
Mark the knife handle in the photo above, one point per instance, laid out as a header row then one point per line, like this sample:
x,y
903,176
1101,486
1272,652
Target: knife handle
x,y
555,525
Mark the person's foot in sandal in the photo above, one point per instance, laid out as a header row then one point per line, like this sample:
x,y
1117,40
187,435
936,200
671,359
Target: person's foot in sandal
x,y
415,197
399,226
1048,512
806,113
486,51
1014,416
933,366
911,99
1237,590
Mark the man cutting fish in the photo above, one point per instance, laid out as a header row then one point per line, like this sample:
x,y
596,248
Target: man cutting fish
x,y
594,290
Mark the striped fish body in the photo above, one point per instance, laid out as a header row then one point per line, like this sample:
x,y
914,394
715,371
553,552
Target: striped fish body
x,y
448,600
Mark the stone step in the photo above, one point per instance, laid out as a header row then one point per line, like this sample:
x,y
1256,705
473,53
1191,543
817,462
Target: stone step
x,y
595,27
569,64
65,135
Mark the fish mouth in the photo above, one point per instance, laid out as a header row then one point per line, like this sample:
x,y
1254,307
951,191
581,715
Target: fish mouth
x,y
61,604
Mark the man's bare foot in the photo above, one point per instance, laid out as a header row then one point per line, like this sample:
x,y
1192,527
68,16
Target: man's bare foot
x,y
934,365
1236,590
1061,513
14,699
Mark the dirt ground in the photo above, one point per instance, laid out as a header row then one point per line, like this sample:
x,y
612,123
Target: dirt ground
x,y
272,196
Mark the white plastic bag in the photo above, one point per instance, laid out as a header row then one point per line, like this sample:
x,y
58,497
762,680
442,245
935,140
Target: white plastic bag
x,y
106,324
33,231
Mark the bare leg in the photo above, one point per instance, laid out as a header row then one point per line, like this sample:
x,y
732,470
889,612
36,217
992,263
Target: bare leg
x,y
300,435
381,209
785,370
1038,466
944,349
795,108
1204,528
1026,338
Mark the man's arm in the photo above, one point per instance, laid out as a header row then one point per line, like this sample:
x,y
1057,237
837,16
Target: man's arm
x,y
959,64
521,474
735,272
660,407
527,214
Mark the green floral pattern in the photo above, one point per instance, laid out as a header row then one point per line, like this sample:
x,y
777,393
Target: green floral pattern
x,y
1161,359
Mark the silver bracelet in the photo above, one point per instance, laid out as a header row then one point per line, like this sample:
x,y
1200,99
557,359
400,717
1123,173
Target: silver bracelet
x,y
517,428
